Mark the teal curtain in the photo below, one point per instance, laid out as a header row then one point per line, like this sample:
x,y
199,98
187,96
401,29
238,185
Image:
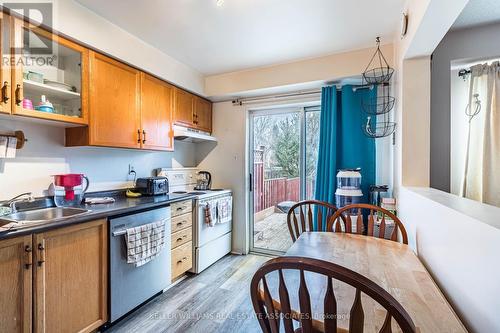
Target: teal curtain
x,y
342,143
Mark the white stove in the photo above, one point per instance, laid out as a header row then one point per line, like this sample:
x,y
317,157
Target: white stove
x,y
211,241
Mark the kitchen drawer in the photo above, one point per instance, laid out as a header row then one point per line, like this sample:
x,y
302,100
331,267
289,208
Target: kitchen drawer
x,y
182,237
182,207
182,222
182,259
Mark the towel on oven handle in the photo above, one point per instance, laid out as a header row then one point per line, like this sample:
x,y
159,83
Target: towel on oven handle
x,y
224,210
210,211
145,242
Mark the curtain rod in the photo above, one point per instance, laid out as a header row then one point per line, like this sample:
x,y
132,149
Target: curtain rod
x,y
250,100
463,72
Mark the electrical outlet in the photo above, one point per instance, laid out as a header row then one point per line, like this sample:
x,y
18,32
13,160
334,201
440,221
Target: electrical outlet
x,y
131,169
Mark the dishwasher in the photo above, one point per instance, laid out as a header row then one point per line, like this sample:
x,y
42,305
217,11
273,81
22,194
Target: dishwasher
x,y
131,286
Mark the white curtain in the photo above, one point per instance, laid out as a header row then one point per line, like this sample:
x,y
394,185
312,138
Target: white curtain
x,y
481,180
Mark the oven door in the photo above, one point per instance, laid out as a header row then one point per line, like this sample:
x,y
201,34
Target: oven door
x,y
204,233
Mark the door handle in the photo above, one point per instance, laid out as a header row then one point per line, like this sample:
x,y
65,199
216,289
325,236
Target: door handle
x,y
18,94
29,258
41,249
5,92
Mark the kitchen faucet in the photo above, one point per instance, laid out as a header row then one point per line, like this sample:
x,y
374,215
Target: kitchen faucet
x,y
12,202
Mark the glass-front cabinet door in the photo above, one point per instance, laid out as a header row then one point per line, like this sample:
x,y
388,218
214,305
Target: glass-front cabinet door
x,y
5,65
50,75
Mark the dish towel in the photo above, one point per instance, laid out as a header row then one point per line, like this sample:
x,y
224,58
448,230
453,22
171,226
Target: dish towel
x,y
210,213
224,210
145,242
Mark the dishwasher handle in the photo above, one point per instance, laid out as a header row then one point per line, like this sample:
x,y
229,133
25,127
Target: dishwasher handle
x,y
119,233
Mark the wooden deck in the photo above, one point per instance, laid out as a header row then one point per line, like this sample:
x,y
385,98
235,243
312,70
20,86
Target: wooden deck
x,y
271,233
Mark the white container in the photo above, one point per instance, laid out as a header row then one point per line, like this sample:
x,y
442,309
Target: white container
x,y
349,179
345,197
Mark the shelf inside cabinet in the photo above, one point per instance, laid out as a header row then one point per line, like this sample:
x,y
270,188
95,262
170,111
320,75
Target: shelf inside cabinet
x,y
44,89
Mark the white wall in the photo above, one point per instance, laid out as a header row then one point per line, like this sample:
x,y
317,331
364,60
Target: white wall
x,y
45,155
80,23
227,163
459,249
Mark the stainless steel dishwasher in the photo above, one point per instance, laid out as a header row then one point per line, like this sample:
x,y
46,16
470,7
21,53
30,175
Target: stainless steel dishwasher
x,y
130,286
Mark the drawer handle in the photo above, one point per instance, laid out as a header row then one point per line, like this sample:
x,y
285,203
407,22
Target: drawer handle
x,y
179,239
180,223
180,208
180,261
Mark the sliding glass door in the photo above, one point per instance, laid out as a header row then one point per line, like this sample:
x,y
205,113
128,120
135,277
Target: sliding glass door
x,y
283,162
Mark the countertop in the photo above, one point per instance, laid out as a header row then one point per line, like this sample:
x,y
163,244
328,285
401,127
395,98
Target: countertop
x,y
122,205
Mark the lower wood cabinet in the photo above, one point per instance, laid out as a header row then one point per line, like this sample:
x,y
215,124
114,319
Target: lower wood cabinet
x,y
15,284
64,271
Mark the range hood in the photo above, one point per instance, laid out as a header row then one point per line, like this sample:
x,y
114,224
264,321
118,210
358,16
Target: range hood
x,y
191,135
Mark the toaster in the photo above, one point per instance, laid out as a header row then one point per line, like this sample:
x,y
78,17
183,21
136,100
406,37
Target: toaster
x,y
152,185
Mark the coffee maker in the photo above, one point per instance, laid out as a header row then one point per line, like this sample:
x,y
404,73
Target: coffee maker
x,y
203,181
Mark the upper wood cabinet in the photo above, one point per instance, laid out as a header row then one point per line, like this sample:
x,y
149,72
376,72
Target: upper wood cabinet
x,y
70,278
15,284
45,67
114,103
192,111
203,114
5,68
156,113
183,110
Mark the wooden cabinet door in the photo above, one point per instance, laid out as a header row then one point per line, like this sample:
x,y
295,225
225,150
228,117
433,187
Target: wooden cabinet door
x,y
15,284
203,114
183,108
71,278
114,103
156,113
5,69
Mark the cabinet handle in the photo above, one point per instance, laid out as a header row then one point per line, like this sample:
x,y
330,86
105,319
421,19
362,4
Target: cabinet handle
x,y
143,136
41,249
29,258
138,136
179,239
5,92
18,94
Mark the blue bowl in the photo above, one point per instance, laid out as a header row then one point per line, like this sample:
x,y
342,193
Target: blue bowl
x,y
44,109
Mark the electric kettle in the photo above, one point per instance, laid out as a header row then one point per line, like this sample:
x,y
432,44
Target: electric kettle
x,y
203,181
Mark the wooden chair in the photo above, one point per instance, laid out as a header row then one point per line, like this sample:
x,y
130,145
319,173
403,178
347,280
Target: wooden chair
x,y
320,208
342,218
271,312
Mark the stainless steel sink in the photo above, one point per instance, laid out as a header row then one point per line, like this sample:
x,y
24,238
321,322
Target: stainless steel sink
x,y
43,215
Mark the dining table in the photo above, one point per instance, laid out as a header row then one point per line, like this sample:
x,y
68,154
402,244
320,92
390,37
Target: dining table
x,y
392,265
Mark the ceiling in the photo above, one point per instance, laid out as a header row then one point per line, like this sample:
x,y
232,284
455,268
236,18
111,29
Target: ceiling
x,y
478,12
243,34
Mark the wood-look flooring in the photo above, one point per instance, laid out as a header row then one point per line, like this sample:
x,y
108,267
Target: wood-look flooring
x,y
217,300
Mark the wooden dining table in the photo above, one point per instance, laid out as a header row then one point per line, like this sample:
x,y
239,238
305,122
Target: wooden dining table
x,y
392,265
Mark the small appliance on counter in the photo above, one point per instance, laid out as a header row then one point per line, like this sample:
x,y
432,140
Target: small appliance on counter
x,y
203,181
152,185
69,189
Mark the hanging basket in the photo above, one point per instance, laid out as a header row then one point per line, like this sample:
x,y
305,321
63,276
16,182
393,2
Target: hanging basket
x,y
380,130
378,69
378,105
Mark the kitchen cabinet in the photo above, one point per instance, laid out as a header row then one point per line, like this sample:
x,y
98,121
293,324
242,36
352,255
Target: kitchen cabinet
x,y
182,245
114,106
56,69
70,278
15,284
156,113
55,281
5,69
128,109
192,111
203,114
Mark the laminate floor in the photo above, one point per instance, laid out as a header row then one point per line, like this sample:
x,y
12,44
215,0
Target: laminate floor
x,y
217,300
